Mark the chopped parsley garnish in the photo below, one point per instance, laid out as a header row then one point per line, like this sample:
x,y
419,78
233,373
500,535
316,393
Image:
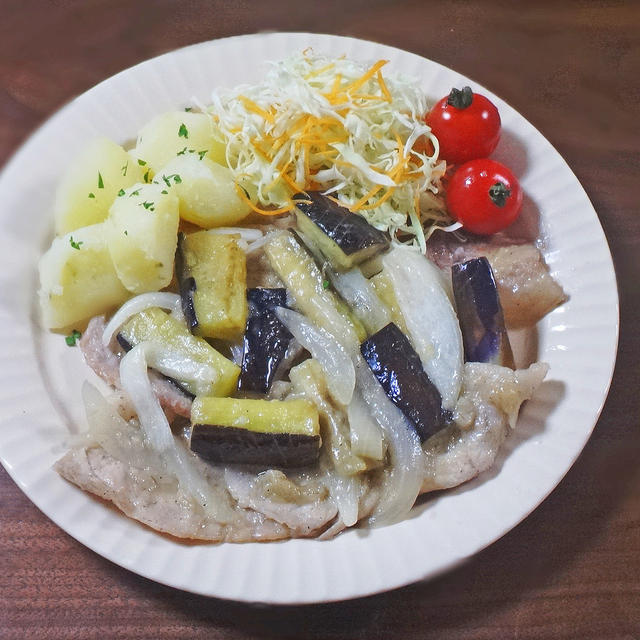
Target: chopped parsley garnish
x,y
92,195
147,179
134,193
72,338
325,284
181,153
188,108
74,244
183,132
100,181
126,233
121,192
164,192
141,162
148,205
176,179
124,168
202,154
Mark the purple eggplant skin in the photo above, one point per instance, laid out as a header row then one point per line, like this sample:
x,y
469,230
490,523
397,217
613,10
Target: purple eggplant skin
x,y
266,340
239,446
345,238
480,314
398,369
187,286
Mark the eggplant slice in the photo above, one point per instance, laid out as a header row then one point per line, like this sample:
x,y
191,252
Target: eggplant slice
x,y
398,369
480,313
343,237
266,340
158,326
280,433
212,275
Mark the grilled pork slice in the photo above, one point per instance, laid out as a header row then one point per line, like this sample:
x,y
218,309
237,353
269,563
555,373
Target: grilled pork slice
x,y
527,290
488,405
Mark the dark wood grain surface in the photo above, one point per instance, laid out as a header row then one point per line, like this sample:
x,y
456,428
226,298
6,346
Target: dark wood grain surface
x,y
570,570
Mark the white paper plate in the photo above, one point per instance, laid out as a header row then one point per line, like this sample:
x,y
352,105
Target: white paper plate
x,y
40,377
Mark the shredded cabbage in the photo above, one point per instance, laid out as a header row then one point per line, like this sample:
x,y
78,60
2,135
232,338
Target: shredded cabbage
x,y
334,124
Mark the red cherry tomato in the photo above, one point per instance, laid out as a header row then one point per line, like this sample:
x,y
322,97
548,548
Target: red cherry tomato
x,y
466,124
484,196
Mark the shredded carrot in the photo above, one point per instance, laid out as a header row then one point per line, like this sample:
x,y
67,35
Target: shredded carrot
x,y
252,106
263,212
356,84
383,87
297,188
317,72
365,198
384,198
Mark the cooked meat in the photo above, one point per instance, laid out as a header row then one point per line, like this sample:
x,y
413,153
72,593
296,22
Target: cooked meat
x,y
489,403
162,507
527,290
107,365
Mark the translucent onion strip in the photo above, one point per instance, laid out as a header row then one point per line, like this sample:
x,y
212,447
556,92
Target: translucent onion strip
x,y
161,299
366,436
358,293
154,424
403,478
431,320
249,234
199,376
345,492
330,354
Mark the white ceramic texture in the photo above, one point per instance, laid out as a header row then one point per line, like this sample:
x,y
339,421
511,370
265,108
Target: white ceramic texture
x,y
40,377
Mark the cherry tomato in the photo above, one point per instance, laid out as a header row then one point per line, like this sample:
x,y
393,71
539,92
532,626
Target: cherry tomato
x,y
466,124
484,196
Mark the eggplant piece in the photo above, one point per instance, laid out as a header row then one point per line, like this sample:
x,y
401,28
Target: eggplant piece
x,y
343,237
480,313
273,433
212,275
158,326
398,369
304,281
266,340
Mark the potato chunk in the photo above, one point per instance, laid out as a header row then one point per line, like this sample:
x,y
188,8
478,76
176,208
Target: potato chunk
x,y
78,279
90,184
142,233
160,140
207,191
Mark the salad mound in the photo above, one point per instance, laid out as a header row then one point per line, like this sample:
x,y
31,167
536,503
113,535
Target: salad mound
x,y
287,348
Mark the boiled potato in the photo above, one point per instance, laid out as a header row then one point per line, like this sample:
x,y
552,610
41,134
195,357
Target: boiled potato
x,y
78,279
207,191
176,132
142,234
91,183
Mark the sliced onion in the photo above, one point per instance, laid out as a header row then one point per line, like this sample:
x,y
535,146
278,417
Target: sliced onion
x,y
404,477
358,293
330,354
431,321
247,234
345,492
198,376
161,299
154,424
119,438
366,436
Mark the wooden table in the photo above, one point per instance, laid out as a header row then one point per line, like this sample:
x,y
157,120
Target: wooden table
x,y
571,569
